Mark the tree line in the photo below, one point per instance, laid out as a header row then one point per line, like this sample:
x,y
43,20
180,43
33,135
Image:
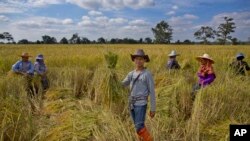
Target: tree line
x,y
162,32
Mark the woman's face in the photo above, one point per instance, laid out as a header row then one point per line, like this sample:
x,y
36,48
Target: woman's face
x,y
205,62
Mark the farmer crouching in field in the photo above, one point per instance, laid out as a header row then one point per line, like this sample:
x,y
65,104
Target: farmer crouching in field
x,y
141,85
239,66
205,73
25,68
40,72
172,62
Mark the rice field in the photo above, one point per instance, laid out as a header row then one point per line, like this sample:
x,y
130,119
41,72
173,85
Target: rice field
x,y
86,102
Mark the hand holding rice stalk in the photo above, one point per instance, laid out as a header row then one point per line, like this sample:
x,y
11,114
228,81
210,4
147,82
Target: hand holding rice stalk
x,y
111,86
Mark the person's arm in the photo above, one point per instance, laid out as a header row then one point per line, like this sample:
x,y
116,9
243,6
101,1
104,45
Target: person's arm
x,y
247,66
151,88
31,69
127,80
36,69
170,64
210,78
15,67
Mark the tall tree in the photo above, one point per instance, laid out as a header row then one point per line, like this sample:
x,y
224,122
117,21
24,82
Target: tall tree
x,y
148,40
101,40
205,33
85,40
49,40
75,39
225,29
23,41
8,37
162,32
64,41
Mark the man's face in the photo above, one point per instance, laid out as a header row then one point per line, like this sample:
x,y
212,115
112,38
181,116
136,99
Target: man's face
x,y
25,59
172,57
139,61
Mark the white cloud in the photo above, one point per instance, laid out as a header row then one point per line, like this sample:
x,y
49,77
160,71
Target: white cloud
x,y
41,22
94,13
3,18
138,23
186,19
41,3
85,18
67,21
171,13
112,4
118,21
241,19
175,7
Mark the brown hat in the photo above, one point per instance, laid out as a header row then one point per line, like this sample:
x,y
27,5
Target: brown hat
x,y
140,53
205,56
25,54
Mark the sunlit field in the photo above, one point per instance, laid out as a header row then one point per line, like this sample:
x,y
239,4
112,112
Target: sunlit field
x,y
85,100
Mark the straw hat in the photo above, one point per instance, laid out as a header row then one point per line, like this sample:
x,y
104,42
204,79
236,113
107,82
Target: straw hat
x,y
173,53
205,56
39,57
140,53
25,54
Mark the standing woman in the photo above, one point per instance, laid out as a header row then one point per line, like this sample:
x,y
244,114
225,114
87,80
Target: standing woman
x,y
41,72
141,85
205,73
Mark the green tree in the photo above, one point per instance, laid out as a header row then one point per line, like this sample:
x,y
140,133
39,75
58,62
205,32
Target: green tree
x,y
225,29
64,41
204,33
49,40
162,32
148,40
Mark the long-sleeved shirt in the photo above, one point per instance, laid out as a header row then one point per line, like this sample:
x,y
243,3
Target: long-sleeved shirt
x,y
207,79
172,64
239,67
40,67
23,67
143,87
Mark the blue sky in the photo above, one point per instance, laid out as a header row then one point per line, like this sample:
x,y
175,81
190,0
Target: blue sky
x,y
30,19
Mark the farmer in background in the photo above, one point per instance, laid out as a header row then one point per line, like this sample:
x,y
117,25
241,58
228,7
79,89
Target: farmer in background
x,y
205,73
25,68
41,72
172,62
141,85
239,66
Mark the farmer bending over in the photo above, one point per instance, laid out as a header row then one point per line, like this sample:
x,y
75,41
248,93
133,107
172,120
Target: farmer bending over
x,y
41,71
172,62
205,73
239,66
25,68
141,85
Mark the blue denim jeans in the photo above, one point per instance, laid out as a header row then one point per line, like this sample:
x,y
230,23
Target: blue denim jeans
x,y
138,115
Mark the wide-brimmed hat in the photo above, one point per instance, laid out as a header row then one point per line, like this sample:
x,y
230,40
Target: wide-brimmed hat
x,y
205,56
240,55
39,57
140,53
25,54
173,53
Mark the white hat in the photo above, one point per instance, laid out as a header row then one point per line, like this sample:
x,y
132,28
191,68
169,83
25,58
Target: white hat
x,y
173,53
205,56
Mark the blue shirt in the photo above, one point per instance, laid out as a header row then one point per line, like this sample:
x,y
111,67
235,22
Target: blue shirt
x,y
143,87
23,67
40,68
